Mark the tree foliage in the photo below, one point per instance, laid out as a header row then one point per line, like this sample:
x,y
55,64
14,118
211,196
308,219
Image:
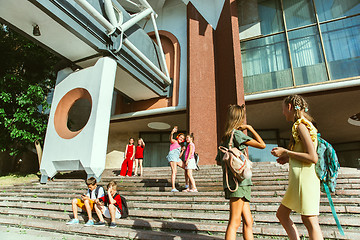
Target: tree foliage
x,y
26,77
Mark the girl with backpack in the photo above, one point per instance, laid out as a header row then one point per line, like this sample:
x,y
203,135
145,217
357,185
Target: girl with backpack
x,y
127,164
240,198
190,163
174,156
139,156
303,192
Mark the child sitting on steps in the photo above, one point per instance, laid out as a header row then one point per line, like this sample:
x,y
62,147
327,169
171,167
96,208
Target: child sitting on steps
x,y
86,203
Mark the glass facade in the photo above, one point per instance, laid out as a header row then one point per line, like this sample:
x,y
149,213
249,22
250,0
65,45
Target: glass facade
x,y
342,46
266,63
300,42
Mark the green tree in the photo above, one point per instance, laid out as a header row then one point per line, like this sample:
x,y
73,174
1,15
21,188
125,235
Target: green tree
x,y
26,77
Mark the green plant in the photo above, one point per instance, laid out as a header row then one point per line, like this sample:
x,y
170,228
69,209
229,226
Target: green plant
x,y
26,77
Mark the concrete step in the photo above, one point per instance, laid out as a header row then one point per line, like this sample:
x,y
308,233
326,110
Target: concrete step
x,y
118,233
24,233
341,197
201,197
39,218
271,190
219,206
166,183
155,213
181,214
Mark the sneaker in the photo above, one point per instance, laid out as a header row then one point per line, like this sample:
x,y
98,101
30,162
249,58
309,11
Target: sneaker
x,y
193,190
73,221
99,224
89,223
112,225
174,190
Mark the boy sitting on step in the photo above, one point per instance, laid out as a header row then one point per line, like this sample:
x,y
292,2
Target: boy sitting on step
x,y
86,203
109,206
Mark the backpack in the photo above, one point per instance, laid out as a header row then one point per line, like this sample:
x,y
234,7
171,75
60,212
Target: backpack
x,y
97,190
124,208
327,168
196,156
238,163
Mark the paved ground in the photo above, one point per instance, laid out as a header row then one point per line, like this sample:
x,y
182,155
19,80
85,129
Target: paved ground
x,y
12,233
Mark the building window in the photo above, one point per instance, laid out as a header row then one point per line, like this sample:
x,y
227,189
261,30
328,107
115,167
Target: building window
x,y
332,9
342,48
266,63
298,13
288,43
307,56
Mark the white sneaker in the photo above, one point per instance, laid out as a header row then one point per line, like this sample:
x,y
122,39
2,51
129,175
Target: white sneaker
x,y
174,190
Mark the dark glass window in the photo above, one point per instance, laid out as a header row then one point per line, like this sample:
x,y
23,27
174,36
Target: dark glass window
x,y
307,56
342,47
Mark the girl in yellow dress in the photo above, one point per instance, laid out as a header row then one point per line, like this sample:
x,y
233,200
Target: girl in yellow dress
x,y
303,192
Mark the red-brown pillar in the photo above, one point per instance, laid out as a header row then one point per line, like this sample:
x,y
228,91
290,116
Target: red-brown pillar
x,y
229,79
201,86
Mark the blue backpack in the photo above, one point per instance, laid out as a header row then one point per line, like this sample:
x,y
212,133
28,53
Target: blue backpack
x,y
327,168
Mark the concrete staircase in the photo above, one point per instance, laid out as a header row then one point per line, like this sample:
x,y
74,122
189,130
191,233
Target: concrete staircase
x,y
156,213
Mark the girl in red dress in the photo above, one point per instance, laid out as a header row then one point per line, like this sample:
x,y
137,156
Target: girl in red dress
x,y
129,159
139,156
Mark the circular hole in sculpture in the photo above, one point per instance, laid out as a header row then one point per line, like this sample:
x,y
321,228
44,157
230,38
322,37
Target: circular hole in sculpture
x,y
72,113
79,114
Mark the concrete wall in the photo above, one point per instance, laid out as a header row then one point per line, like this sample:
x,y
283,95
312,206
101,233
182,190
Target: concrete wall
x,y
116,148
172,18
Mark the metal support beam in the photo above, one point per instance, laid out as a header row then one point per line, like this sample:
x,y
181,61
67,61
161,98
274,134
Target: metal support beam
x,y
142,57
95,14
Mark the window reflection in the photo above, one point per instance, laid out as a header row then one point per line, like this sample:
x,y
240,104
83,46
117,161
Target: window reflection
x,y
331,9
298,13
266,63
307,57
342,48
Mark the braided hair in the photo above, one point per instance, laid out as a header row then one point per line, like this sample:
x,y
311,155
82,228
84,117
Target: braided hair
x,y
299,104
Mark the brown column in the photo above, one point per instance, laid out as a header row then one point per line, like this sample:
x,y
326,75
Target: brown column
x,y
201,86
229,79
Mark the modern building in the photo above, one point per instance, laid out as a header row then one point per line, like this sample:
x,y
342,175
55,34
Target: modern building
x,y
260,51
217,52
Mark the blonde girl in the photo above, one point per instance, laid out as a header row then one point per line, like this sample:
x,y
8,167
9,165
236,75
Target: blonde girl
x,y
139,156
190,163
303,192
174,156
240,199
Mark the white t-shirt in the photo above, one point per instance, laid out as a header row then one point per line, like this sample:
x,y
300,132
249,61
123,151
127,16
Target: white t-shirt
x,y
92,196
